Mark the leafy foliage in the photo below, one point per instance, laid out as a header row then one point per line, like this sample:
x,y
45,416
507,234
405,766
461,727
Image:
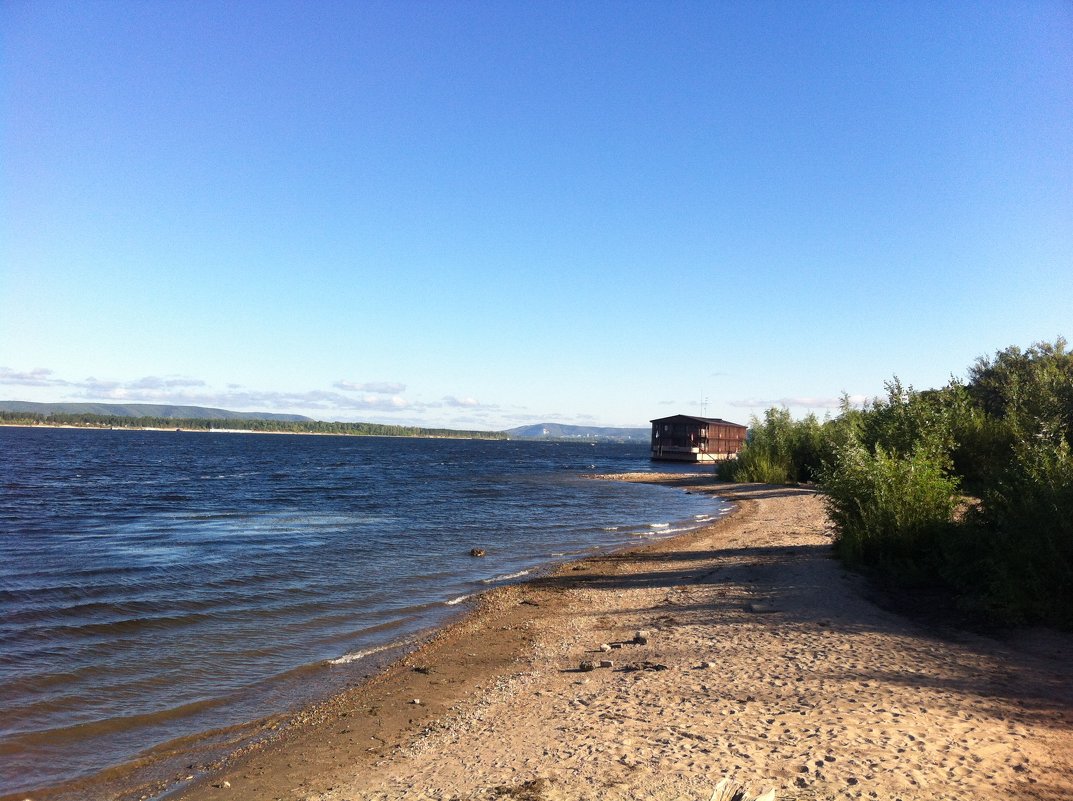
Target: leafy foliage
x,y
780,450
891,473
889,508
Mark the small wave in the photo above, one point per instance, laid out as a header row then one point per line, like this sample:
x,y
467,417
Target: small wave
x,y
459,599
505,577
346,659
702,517
660,533
659,525
610,528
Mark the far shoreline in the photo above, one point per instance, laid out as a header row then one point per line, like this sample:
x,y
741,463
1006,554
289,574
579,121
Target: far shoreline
x,y
181,430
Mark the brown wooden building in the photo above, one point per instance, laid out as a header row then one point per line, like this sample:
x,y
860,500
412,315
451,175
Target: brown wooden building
x,y
683,438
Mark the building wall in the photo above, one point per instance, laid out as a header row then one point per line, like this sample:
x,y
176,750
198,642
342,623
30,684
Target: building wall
x,y
695,440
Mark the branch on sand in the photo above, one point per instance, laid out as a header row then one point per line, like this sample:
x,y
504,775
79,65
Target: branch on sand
x,y
727,790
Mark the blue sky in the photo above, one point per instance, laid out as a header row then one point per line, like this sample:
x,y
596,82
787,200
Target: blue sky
x,y
489,214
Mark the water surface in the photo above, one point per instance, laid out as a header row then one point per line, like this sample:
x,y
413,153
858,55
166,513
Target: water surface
x,y
158,584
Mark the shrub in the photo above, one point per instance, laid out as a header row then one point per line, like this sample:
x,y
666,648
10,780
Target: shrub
x,y
889,510
891,471
755,465
779,450
1016,558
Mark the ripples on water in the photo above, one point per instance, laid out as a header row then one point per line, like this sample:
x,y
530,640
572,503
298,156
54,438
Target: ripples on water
x,y
157,584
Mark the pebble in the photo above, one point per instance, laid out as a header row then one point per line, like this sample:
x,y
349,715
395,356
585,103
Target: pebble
x,y
707,665
605,648
416,701
586,666
642,637
606,663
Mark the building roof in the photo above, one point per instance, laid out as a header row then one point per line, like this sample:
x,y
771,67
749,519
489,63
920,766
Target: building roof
x,y
696,419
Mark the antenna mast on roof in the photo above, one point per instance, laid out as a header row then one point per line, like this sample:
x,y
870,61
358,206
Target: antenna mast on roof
x,y
704,407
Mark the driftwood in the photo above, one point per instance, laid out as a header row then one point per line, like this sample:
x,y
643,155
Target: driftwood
x,y
727,790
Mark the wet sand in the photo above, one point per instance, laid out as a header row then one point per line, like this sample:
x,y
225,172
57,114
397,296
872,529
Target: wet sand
x,y
765,662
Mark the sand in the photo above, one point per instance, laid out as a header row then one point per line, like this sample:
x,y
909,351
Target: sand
x,y
766,662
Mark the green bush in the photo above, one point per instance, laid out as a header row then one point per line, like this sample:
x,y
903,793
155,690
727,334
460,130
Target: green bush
x,y
1016,559
891,472
889,510
779,450
755,465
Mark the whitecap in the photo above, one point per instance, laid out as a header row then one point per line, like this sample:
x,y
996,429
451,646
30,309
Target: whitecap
x,y
504,577
459,599
354,657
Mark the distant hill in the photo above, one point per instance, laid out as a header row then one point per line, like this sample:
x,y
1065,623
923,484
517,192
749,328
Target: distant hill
x,y
559,431
145,410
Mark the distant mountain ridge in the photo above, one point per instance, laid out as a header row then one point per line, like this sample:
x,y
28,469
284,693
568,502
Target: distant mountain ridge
x,y
538,431
561,431
167,411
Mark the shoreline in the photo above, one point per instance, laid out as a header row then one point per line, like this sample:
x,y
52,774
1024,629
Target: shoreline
x,y
766,663
181,430
456,653
153,775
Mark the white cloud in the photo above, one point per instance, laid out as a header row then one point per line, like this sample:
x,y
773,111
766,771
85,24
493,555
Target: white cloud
x,y
467,403
150,388
797,401
346,400
377,387
39,377
313,400
172,382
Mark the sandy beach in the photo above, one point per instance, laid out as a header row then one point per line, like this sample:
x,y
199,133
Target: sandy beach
x,y
763,661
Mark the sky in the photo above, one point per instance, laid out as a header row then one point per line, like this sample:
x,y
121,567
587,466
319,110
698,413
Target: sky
x,y
490,214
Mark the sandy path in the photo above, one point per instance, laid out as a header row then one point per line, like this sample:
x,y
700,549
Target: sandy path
x,y
814,690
